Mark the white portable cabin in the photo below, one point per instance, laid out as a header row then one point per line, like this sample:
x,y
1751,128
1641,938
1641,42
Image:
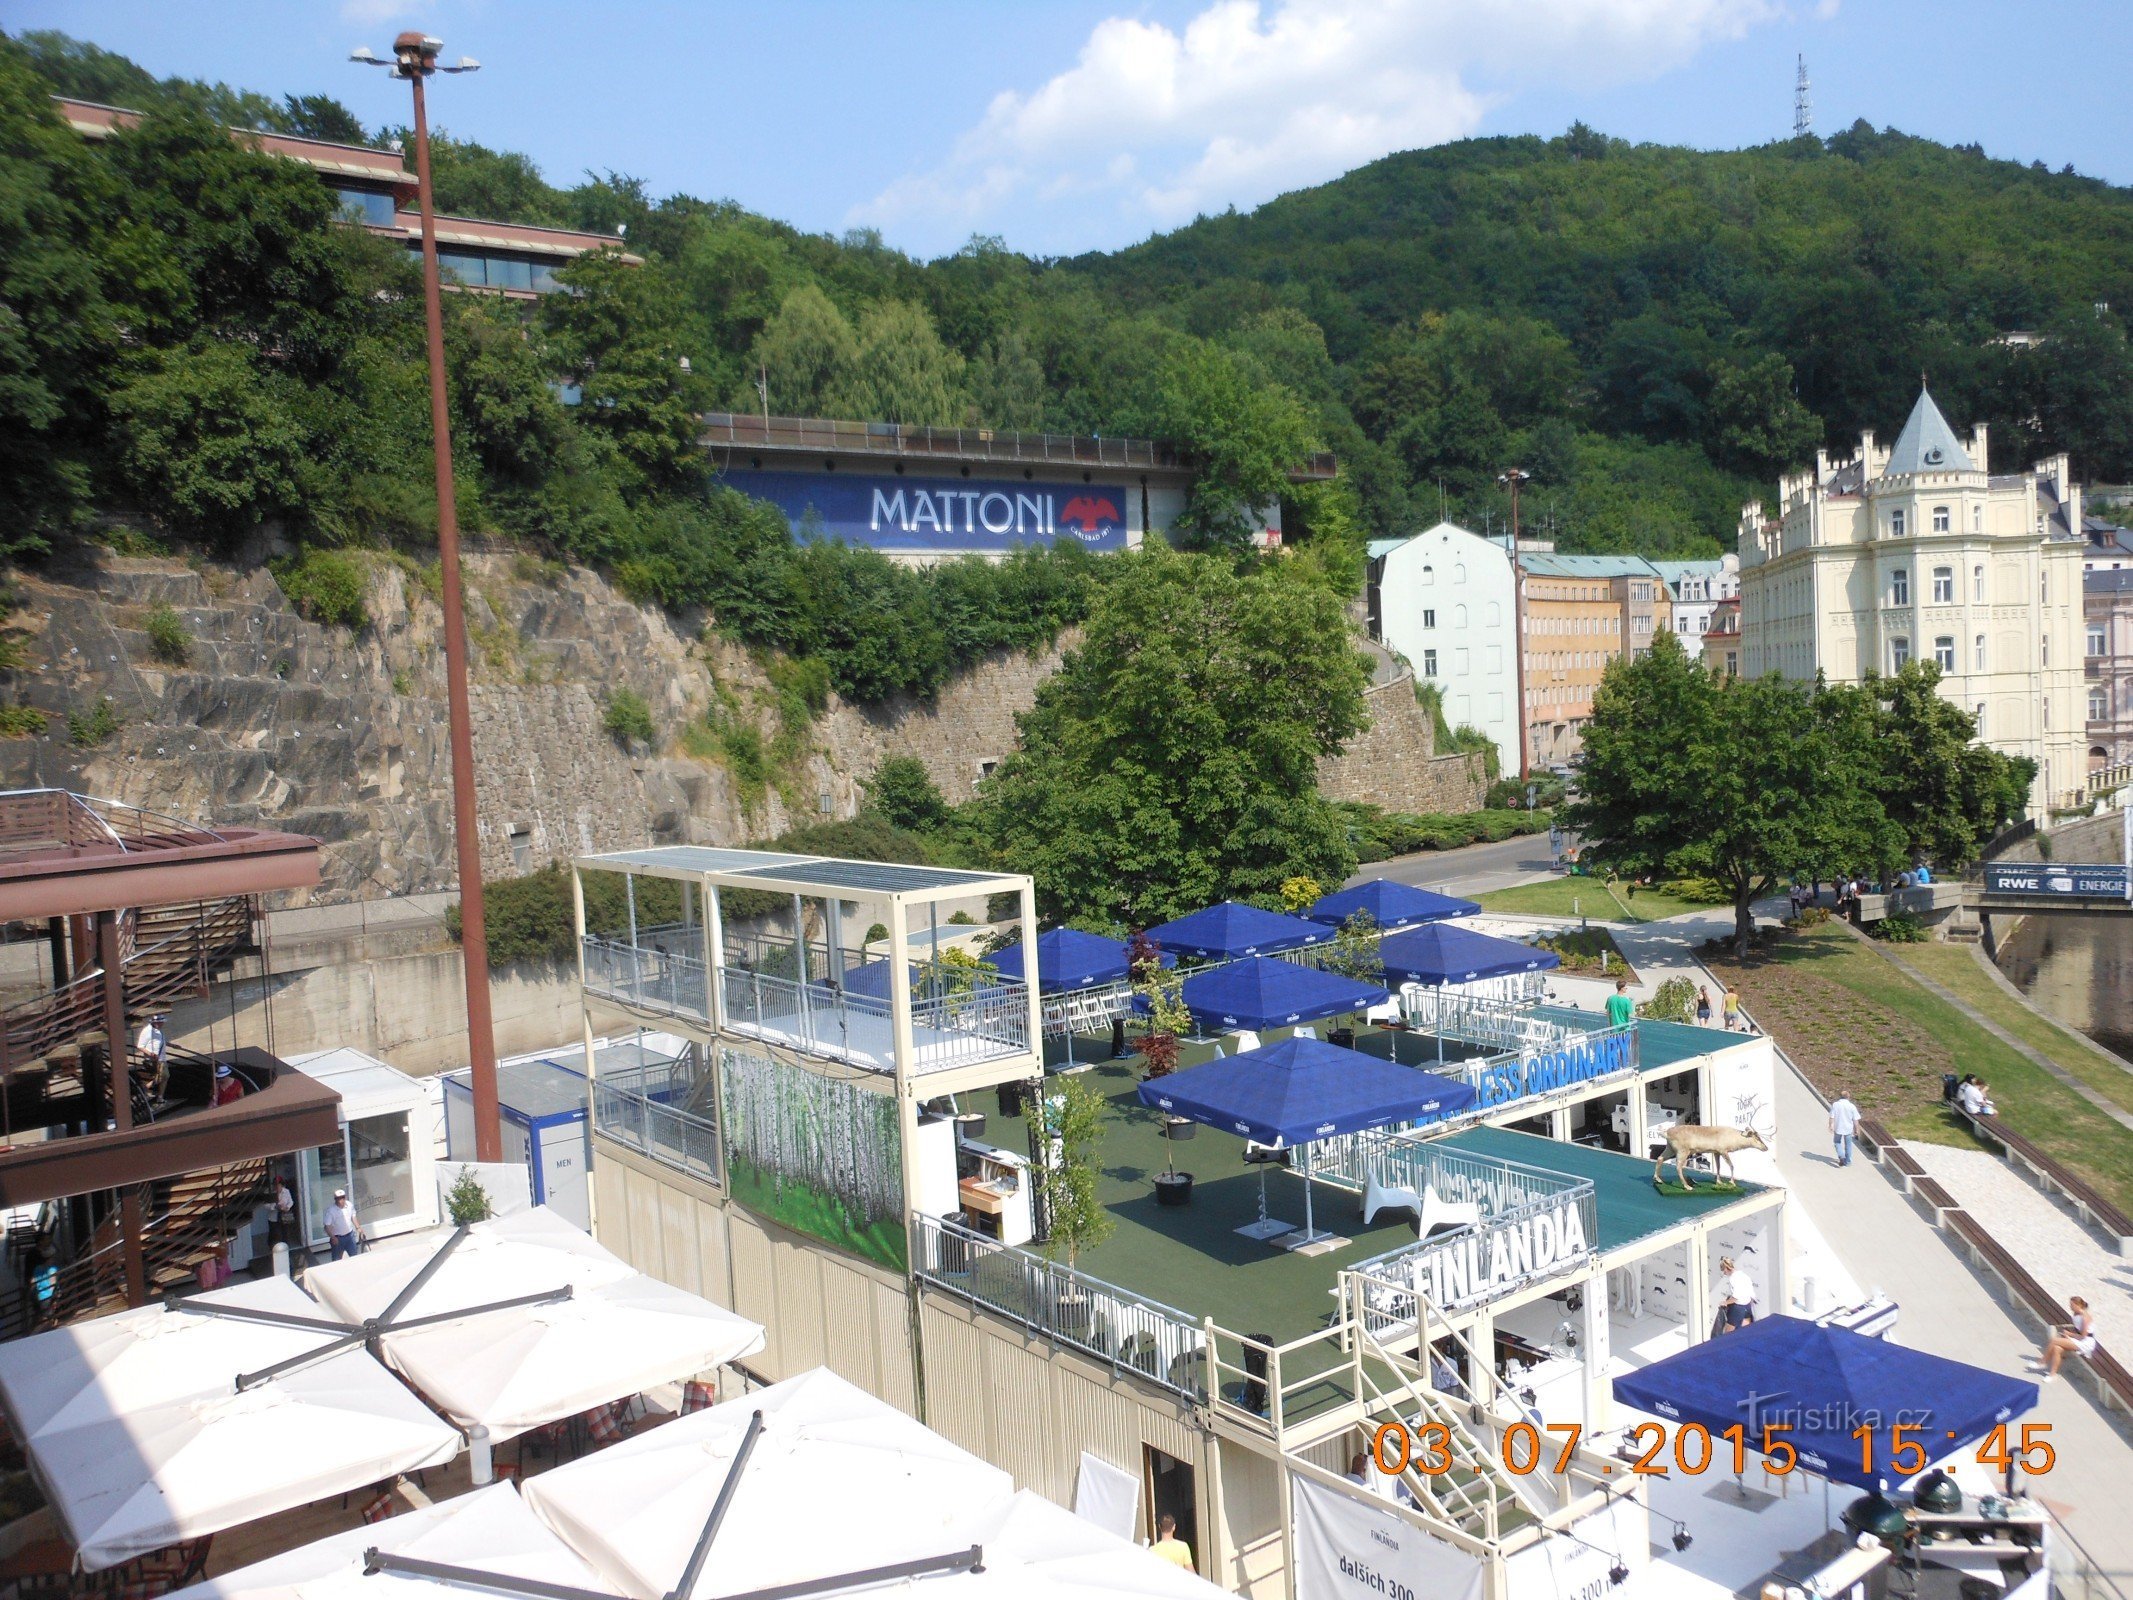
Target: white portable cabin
x,y
387,1155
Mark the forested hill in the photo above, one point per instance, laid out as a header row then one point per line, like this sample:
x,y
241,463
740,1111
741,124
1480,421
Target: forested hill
x,y
1663,296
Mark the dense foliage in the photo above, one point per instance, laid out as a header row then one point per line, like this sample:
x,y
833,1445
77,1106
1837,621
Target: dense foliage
x,y
1747,781
1173,760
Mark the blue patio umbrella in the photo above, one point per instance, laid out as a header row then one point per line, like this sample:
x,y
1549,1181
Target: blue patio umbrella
x,y
1822,1383
1391,905
1261,992
1299,1090
1441,954
1233,929
1070,960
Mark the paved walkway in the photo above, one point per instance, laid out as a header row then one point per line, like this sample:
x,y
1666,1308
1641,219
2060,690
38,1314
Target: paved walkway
x,y
2059,1252
1887,1245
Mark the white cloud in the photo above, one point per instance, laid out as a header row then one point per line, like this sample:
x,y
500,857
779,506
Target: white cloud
x,y
1249,100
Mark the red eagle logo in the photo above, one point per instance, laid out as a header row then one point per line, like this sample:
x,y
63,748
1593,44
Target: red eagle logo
x,y
1090,511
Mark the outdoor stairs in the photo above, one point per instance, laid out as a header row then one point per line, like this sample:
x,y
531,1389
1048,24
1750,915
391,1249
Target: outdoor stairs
x,y
167,953
199,1213
1479,1494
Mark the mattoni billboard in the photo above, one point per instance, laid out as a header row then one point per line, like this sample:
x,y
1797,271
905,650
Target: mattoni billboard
x,y
931,514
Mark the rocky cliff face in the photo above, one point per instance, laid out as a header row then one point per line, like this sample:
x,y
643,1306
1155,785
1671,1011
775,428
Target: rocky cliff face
x,y
272,720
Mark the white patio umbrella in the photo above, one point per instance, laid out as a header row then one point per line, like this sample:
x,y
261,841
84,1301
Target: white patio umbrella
x,y
120,1363
1034,1548
488,1531
836,1482
618,1334
151,1476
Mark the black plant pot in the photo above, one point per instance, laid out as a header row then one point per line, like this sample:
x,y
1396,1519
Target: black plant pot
x,y
1177,1129
1173,1188
970,1125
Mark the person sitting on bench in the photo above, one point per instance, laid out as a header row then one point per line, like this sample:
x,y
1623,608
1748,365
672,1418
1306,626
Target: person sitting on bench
x,y
2077,1338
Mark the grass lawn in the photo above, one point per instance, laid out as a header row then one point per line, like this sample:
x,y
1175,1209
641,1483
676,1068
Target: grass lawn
x,y
1589,897
1853,1022
1959,968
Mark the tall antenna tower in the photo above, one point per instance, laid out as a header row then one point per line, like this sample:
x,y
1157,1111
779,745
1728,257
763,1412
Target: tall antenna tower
x,y
1803,108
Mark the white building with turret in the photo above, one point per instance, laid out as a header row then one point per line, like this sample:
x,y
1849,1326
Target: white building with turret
x,y
1919,551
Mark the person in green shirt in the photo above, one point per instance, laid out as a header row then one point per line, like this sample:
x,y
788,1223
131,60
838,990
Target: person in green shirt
x,y
1620,1008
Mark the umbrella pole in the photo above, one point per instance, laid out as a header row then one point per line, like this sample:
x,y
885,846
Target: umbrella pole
x,y
1440,1024
1310,1230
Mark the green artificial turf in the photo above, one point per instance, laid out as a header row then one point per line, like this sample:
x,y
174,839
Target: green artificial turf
x,y
1591,898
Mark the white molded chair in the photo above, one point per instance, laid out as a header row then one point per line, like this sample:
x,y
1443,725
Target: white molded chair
x,y
1437,1212
1388,1197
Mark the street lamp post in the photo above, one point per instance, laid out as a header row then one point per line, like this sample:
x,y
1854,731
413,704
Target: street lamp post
x,y
414,58
1511,479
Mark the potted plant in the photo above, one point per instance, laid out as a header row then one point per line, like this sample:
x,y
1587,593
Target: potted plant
x,y
1076,1219
1167,1018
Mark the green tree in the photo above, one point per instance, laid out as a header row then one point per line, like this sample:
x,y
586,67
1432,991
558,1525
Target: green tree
x,y
1738,780
808,354
1945,794
1244,439
1173,759
1758,423
615,333
903,794
903,372
1076,1220
209,442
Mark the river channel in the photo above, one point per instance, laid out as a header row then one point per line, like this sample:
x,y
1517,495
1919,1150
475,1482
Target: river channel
x,y
2079,970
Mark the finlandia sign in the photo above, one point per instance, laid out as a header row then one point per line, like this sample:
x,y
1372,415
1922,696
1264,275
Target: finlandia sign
x,y
1483,1263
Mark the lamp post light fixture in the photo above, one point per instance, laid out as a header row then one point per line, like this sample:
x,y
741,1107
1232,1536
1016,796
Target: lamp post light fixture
x,y
414,57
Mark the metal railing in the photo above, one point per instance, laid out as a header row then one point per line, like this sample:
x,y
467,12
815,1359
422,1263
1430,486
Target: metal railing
x,y
1126,1331
948,1030
742,430
1397,1159
647,978
30,818
1502,1019
658,1110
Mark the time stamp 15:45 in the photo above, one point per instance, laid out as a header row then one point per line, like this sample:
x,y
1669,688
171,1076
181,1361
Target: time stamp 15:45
x,y
1899,1451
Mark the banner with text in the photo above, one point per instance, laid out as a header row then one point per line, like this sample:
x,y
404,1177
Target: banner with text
x,y
1351,1547
956,514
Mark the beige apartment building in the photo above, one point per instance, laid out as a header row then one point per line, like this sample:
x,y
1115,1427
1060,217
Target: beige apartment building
x,y
1920,552
1578,614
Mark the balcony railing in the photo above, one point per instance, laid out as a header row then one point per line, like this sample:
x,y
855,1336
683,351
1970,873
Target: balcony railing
x,y
1126,1331
663,1111
1400,1160
647,978
947,1030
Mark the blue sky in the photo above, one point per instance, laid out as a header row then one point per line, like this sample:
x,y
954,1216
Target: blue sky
x,y
1066,126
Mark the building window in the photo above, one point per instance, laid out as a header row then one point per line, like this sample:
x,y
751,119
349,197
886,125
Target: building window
x,y
2044,649
1979,719
1978,664
1429,574
2047,705
1896,523
1429,663
1429,618
2044,586
2096,639
2099,706
1732,663
1899,587
1940,519
1944,652
520,838
459,266
1977,518
366,205
1900,653
1458,616
1977,583
1944,586
1459,572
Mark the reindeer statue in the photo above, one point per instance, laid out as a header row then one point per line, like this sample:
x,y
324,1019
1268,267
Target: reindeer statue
x,y
1695,1139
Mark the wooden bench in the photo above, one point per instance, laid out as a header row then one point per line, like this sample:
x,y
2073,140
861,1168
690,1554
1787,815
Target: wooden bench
x,y
1905,1165
1938,1200
2052,1177
2024,1290
1873,1138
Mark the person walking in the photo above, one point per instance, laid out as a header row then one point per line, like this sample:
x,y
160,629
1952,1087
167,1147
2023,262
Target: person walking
x,y
1168,1545
1620,1008
1703,1006
2076,1338
1843,1123
344,1231
1737,1309
284,1212
1732,1008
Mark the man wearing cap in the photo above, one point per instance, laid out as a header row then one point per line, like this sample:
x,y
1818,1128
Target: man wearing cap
x,y
228,1086
344,1235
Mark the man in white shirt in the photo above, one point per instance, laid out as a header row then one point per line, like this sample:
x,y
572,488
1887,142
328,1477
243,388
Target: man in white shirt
x,y
344,1234
284,1212
1843,1123
1738,1307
